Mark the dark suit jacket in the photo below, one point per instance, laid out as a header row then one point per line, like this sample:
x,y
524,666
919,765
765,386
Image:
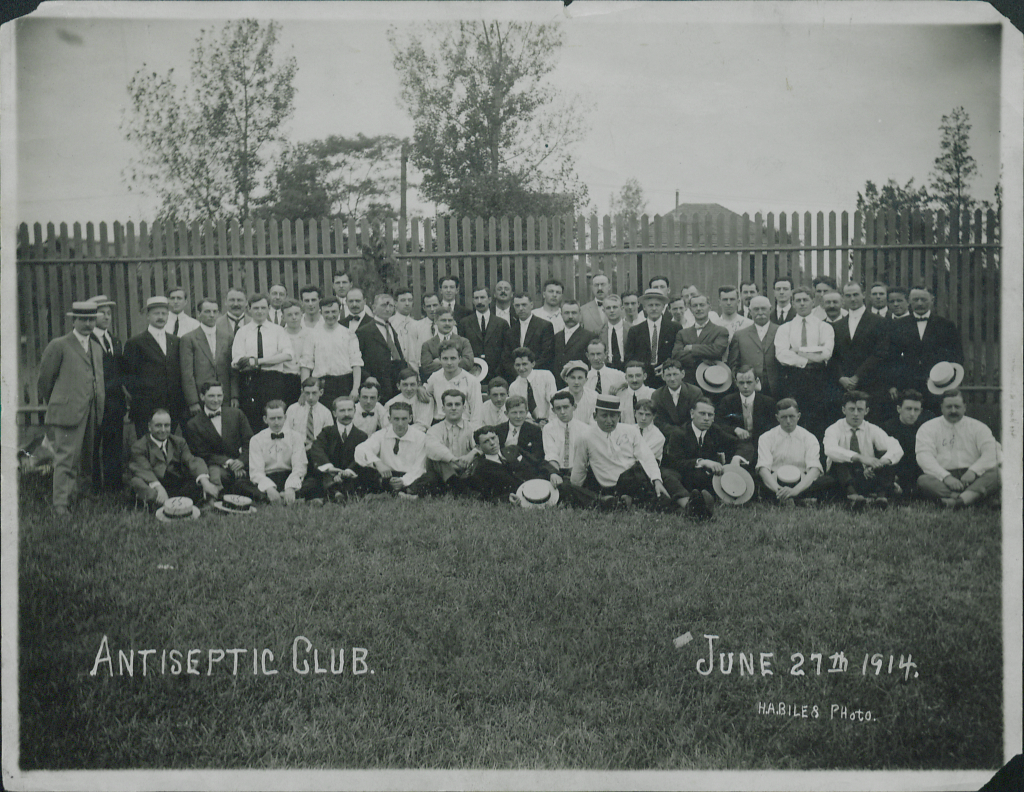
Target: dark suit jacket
x,y
355,328
497,480
147,464
430,354
638,346
328,448
113,375
790,314
153,378
199,365
495,346
682,451
747,349
216,449
531,441
668,415
377,358
708,345
729,418
540,339
865,354
913,357
576,349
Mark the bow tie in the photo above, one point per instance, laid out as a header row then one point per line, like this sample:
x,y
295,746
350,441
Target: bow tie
x,y
922,318
213,414
368,414
277,435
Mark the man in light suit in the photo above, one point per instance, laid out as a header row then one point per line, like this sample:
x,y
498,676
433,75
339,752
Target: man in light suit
x,y
206,357
592,313
571,342
219,435
234,316
153,365
755,347
71,384
162,466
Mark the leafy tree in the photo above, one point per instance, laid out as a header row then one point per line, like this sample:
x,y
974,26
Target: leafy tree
x,y
335,177
954,167
892,196
630,199
492,136
202,148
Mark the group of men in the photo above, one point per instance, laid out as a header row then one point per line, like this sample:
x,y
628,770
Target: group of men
x,y
649,398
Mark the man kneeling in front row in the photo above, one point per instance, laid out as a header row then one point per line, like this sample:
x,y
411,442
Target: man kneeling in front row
x,y
162,466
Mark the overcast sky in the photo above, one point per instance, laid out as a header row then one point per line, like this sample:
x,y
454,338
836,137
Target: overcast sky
x,y
757,110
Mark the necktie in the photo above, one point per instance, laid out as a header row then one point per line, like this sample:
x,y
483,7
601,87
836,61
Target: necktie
x,y
174,327
310,434
106,345
635,400
234,326
386,332
483,325
398,441
277,435
163,452
368,415
748,418
259,343
854,442
565,449
654,344
597,376
616,357
531,401
700,441
803,332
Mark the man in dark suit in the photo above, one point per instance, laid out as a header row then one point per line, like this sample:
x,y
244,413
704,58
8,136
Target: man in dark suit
x,y
430,352
655,328
490,336
206,357
153,370
355,316
448,291
378,344
525,435
919,341
746,414
673,400
783,311
694,453
754,346
570,343
234,317
859,354
532,332
162,466
497,472
71,384
332,455
219,435
108,455
702,342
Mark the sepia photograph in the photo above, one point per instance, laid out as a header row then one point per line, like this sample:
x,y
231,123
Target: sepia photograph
x,y
491,395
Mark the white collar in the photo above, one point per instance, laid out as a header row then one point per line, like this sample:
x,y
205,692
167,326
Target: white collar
x,y
921,318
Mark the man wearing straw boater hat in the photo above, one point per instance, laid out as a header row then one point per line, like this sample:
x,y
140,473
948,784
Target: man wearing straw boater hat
x,y
153,365
108,456
71,385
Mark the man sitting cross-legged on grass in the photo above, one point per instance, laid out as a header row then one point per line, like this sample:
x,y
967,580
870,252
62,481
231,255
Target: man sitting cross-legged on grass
x,y
497,472
451,375
535,385
277,460
333,454
450,449
371,415
162,466
852,446
959,457
790,445
308,416
519,432
220,435
746,415
694,454
398,454
408,388
909,418
494,412
651,434
615,466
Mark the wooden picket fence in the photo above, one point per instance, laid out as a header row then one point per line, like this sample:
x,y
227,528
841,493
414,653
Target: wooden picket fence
x,y
959,260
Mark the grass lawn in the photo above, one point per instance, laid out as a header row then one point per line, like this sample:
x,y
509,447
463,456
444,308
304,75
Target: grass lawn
x,y
497,637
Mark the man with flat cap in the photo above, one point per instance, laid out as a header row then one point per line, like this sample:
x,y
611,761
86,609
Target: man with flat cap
x,y
71,384
153,368
652,340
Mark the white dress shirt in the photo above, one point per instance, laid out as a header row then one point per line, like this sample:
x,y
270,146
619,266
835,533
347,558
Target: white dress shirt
x,y
331,352
610,378
778,447
553,437
737,322
378,418
854,319
544,387
620,337
555,317
922,323
870,438
406,336
185,324
411,459
160,335
106,342
655,440
422,412
269,456
787,340
489,416
942,446
628,397
610,454
586,403
83,341
468,385
211,338
275,342
297,416
298,339
504,313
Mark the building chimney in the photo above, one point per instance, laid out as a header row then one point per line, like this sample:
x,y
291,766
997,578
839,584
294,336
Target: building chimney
x,y
677,199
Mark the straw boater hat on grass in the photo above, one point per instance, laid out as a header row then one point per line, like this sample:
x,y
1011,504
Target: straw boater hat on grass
x,y
537,494
177,509
235,504
734,485
714,377
83,309
945,376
